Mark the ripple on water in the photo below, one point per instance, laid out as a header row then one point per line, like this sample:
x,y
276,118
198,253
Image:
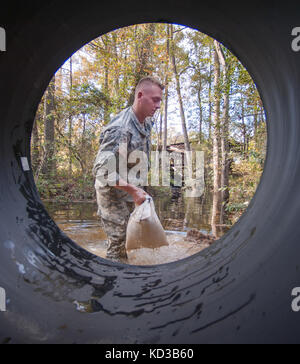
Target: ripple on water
x,y
90,237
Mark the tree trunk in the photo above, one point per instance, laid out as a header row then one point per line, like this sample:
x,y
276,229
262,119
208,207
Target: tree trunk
x,y
224,135
35,147
116,55
160,131
255,122
83,158
70,120
106,41
165,141
244,131
201,111
48,168
178,89
215,137
210,96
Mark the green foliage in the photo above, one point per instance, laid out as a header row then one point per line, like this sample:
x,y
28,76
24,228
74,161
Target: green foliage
x,y
62,188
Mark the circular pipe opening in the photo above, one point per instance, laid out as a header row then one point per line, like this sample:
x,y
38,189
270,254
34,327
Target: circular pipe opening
x,y
239,291
66,104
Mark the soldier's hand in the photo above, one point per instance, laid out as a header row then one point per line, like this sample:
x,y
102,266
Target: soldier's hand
x,y
139,196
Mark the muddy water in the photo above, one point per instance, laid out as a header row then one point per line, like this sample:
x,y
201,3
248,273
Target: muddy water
x,y
178,215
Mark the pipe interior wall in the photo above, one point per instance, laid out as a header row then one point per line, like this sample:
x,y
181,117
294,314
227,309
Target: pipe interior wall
x,y
237,291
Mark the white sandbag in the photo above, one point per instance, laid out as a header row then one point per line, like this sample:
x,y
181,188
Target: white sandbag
x,y
144,229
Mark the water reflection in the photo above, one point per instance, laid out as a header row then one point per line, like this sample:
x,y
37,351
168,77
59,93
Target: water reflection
x,y
177,214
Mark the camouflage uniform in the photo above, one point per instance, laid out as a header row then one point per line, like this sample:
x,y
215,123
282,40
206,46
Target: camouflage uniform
x,y
114,205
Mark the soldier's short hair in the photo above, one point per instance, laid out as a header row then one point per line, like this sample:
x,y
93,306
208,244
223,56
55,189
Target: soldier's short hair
x,y
151,80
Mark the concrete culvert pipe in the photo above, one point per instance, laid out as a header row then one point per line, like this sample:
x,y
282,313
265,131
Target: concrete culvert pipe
x,y
237,291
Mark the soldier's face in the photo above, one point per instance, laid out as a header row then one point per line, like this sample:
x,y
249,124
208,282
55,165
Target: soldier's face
x,y
150,100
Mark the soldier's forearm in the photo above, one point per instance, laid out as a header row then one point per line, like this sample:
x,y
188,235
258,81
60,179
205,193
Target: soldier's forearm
x,y
124,186
139,195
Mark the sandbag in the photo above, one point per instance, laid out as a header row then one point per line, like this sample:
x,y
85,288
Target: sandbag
x,y
144,229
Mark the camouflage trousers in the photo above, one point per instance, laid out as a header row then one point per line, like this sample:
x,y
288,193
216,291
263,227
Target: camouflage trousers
x,y
114,210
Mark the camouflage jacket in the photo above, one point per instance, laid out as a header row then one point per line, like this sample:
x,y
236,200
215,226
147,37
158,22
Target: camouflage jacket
x,y
124,129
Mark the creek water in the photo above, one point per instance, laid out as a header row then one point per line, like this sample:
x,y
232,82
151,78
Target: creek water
x,y
178,215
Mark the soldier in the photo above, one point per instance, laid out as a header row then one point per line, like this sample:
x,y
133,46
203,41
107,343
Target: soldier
x,y
129,131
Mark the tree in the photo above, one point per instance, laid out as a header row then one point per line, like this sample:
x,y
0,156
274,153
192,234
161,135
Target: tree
x,y
166,100
178,90
224,132
215,136
48,166
144,46
36,143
